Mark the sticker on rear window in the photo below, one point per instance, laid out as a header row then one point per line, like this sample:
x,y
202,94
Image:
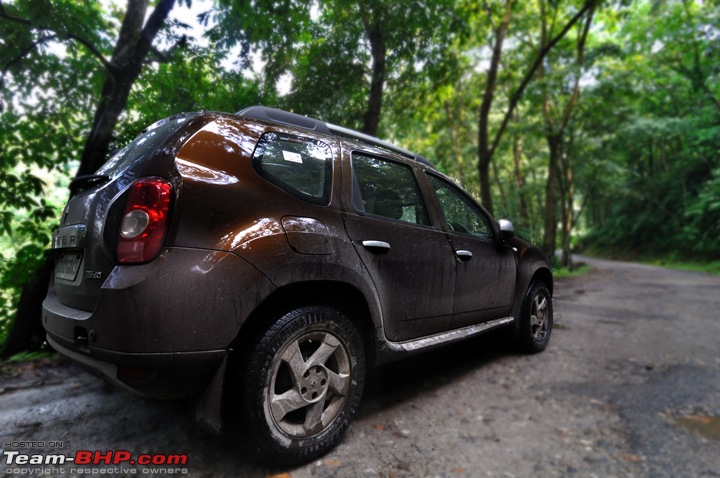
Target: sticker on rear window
x,y
292,157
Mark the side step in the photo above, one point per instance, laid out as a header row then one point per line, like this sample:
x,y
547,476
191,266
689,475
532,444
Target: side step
x,y
444,338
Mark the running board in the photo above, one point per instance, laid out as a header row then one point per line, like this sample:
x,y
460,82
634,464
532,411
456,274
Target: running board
x,y
446,337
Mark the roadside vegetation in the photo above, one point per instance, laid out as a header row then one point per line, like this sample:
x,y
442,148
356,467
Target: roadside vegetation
x,y
705,267
576,270
591,124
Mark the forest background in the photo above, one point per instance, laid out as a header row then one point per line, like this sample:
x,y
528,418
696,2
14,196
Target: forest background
x,y
592,125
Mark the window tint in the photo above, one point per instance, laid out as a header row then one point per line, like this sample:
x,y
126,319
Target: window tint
x,y
387,189
300,166
461,214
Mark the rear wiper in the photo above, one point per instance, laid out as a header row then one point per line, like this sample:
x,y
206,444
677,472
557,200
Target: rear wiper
x,y
81,183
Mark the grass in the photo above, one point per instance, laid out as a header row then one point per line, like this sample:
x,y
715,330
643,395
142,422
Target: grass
x,y
667,260
707,267
34,355
579,269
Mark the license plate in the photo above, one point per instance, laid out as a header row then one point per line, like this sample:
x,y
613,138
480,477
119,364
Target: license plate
x,y
67,265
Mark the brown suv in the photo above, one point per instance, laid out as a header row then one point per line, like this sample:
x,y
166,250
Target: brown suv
x,y
260,261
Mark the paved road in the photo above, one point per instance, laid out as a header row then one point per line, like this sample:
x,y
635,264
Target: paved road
x,y
630,386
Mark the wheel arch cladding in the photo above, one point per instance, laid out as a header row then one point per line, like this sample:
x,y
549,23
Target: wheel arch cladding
x,y
342,296
545,276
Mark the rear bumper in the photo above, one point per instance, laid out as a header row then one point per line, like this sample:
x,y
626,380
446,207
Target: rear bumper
x,y
169,375
163,328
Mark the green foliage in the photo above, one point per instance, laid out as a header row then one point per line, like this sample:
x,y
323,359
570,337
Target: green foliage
x,y
712,267
34,355
577,270
702,218
194,81
324,48
658,191
39,135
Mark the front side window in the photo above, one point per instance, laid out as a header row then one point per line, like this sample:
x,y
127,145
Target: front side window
x,y
461,213
388,189
300,166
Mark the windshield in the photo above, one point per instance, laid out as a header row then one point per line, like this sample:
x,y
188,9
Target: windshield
x,y
149,140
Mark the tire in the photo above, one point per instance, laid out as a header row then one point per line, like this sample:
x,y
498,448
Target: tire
x,y
535,324
301,386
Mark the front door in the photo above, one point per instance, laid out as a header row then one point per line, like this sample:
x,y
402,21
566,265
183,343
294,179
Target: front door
x,y
486,272
411,264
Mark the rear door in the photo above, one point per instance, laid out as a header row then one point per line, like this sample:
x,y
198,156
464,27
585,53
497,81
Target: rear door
x,y
486,272
410,262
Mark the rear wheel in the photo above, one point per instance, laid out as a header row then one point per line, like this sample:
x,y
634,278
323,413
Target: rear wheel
x,y
302,384
536,319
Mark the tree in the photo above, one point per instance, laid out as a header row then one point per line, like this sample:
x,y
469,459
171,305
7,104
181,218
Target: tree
x,y
134,44
660,139
44,21
558,106
342,57
30,28
500,20
41,61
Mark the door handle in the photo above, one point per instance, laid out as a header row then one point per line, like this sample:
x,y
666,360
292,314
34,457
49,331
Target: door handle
x,y
463,255
376,245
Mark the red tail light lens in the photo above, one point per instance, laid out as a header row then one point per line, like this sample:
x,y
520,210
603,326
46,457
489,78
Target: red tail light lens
x,y
144,221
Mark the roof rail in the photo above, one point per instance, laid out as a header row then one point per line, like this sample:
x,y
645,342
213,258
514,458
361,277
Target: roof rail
x,y
366,138
284,117
292,119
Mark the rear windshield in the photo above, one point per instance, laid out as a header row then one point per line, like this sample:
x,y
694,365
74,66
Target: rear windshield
x,y
300,166
149,140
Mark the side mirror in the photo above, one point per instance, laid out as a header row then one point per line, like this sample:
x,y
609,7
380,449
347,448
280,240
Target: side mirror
x,y
507,230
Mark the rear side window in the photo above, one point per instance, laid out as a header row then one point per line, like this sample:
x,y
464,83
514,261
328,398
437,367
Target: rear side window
x,y
300,166
388,189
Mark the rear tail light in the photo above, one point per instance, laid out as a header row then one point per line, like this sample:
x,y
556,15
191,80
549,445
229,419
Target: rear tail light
x,y
144,221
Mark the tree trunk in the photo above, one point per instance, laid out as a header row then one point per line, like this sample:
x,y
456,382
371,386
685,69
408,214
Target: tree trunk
x,y
112,103
550,216
485,149
455,137
484,171
519,178
559,162
131,50
567,211
26,331
501,189
377,82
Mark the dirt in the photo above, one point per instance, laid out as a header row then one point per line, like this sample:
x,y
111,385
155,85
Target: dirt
x,y
630,386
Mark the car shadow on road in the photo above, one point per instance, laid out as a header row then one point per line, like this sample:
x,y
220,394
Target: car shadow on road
x,y
115,419
387,386
401,381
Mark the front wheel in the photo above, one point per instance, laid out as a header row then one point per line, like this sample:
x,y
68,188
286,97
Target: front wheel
x,y
302,384
535,323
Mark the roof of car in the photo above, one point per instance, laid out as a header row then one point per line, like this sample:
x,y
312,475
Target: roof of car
x,y
274,115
